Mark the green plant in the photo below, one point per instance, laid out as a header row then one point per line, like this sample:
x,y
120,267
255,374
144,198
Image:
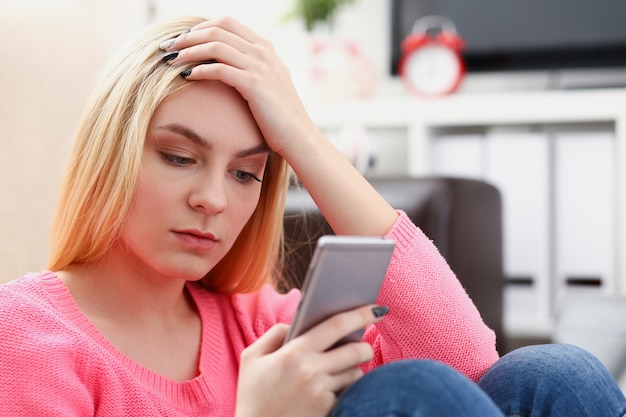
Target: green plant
x,y
314,12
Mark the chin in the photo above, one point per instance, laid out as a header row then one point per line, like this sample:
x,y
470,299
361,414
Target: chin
x,y
190,268
187,273
193,275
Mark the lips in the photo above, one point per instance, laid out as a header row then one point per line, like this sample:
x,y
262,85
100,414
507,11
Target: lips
x,y
195,239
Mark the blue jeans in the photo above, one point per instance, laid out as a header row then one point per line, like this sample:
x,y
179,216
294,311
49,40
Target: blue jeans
x,y
535,381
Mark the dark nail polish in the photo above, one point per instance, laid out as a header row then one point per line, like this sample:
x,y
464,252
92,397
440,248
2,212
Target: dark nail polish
x,y
186,73
169,56
380,311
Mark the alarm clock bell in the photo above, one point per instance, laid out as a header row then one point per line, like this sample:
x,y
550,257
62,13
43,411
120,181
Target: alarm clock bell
x,y
431,63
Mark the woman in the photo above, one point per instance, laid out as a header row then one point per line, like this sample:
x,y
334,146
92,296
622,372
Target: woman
x,y
158,298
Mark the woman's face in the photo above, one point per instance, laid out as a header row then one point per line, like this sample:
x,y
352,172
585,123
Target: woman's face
x,y
198,184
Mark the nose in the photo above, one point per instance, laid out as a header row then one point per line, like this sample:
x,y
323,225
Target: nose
x,y
208,194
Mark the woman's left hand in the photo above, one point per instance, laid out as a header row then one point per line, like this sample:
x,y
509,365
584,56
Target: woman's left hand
x,y
248,63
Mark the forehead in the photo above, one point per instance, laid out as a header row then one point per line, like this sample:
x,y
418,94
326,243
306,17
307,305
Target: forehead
x,y
209,108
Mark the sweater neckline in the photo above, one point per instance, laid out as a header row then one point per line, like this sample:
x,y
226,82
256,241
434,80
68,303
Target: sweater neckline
x,y
186,393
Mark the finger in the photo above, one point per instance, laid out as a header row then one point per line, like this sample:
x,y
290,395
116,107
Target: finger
x,y
347,356
342,380
216,71
327,333
269,341
231,25
207,43
211,52
338,361
231,53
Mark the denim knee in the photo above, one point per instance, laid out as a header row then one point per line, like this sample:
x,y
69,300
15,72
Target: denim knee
x,y
414,388
553,380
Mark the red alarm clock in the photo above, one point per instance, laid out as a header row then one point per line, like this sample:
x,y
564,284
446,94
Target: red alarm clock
x,y
431,63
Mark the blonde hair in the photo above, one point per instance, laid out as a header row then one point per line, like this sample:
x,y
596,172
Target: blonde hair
x,y
104,162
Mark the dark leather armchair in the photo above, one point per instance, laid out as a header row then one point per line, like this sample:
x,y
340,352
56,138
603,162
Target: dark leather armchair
x,y
463,217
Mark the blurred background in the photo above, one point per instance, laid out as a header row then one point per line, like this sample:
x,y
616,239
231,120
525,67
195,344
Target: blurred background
x,y
527,96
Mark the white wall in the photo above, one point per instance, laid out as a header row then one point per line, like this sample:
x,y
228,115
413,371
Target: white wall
x,y
50,54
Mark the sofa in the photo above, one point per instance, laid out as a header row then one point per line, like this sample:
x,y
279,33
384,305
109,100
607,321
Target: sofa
x,y
463,217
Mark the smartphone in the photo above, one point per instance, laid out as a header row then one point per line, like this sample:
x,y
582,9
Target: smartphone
x,y
345,272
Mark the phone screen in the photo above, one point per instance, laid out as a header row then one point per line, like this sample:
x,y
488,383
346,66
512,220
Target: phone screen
x,y
345,272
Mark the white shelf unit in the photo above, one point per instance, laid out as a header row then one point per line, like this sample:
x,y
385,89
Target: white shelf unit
x,y
420,121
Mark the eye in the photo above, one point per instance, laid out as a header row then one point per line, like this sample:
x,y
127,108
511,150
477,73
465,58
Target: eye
x,y
175,160
244,176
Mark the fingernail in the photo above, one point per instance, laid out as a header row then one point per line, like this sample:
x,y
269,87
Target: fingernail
x,y
186,73
169,56
167,44
170,42
380,311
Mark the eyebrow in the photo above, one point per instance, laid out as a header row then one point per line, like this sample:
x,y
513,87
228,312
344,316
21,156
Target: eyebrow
x,y
197,139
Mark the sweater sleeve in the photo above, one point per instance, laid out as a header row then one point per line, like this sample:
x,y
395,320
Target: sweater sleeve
x,y
431,316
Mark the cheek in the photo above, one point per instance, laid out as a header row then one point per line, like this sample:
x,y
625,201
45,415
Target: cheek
x,y
148,202
151,204
245,207
156,187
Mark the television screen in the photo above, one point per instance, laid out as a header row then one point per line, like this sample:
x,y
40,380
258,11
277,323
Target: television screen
x,y
523,34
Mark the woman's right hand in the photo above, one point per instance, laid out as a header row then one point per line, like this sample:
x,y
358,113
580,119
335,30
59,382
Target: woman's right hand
x,y
302,377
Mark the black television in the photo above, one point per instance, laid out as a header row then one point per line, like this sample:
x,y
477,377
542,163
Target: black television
x,y
513,35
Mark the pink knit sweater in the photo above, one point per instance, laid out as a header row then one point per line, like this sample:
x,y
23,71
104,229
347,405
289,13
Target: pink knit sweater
x,y
54,362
